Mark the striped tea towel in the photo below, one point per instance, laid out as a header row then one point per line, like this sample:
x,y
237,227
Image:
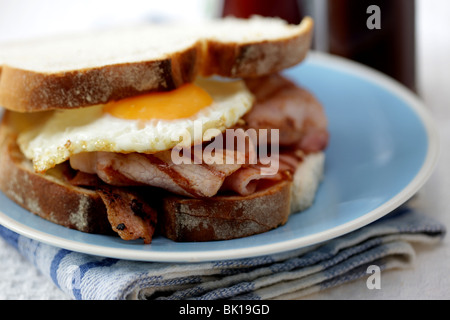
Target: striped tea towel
x,y
385,244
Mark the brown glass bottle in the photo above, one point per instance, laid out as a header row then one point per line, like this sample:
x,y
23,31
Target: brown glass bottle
x,y
390,49
289,10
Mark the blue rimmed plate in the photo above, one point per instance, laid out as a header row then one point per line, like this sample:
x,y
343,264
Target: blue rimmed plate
x,y
383,148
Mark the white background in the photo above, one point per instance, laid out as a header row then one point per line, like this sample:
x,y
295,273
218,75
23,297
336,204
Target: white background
x,y
428,279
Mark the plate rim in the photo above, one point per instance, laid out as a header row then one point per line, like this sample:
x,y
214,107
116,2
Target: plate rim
x,y
323,59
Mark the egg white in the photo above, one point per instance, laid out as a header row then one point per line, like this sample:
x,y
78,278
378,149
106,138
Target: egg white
x,y
69,132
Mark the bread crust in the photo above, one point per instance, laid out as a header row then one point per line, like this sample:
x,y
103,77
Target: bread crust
x,y
255,59
30,91
226,217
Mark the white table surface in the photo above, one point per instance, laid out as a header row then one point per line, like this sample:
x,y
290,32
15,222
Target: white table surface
x,y
428,278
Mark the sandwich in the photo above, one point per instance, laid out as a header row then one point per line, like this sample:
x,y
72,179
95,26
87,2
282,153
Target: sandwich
x,y
189,132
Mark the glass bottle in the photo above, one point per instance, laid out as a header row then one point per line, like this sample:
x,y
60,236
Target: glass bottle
x,y
387,45
289,10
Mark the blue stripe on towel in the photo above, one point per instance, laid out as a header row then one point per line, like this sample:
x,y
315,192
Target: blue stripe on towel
x,y
55,265
84,268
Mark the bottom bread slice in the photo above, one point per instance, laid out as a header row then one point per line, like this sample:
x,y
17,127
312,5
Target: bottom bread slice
x,y
221,217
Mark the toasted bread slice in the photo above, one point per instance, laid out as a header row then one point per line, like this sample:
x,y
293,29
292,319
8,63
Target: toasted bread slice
x,y
179,218
103,66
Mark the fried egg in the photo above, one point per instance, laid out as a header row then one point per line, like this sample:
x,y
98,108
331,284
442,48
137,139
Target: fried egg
x,y
148,123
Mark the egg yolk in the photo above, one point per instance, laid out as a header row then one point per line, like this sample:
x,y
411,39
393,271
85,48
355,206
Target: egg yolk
x,y
176,104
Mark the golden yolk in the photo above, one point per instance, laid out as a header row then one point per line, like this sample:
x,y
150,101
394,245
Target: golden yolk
x,y
176,104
